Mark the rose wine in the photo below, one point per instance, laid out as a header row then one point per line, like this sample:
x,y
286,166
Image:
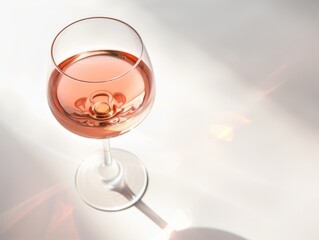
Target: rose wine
x,y
101,94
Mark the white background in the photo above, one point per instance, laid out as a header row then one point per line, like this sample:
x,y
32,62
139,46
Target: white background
x,y
232,142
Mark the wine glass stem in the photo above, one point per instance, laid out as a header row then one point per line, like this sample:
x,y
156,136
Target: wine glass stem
x,y
109,170
107,153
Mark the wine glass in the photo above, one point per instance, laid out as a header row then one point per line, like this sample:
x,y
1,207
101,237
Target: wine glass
x,y
101,86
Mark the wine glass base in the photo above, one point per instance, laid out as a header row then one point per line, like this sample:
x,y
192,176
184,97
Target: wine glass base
x,y
115,193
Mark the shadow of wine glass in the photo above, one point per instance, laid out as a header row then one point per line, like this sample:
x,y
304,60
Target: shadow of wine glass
x,y
203,234
194,233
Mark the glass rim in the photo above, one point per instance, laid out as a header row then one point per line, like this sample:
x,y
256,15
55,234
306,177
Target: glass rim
x,y
90,18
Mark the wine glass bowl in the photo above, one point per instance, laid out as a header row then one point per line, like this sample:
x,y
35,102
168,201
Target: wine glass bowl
x,y
101,86
100,90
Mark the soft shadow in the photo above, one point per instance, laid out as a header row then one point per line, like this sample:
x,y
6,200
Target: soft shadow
x,y
204,234
195,233
148,212
265,43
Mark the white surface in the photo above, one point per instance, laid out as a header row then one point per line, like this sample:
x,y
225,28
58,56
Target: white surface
x,y
232,142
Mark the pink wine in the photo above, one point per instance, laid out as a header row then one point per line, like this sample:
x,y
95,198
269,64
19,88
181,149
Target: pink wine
x,y
101,94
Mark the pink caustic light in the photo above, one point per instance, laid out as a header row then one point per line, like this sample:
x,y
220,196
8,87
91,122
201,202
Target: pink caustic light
x,y
15,214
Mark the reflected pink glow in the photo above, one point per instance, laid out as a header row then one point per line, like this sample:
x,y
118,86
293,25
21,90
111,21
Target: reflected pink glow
x,y
15,214
278,70
63,211
222,132
242,119
273,74
271,89
62,224
225,130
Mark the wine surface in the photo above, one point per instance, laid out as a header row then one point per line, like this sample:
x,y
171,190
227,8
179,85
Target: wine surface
x,y
101,94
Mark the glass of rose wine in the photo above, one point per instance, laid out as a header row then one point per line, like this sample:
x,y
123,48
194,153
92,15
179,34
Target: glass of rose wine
x,y
100,86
